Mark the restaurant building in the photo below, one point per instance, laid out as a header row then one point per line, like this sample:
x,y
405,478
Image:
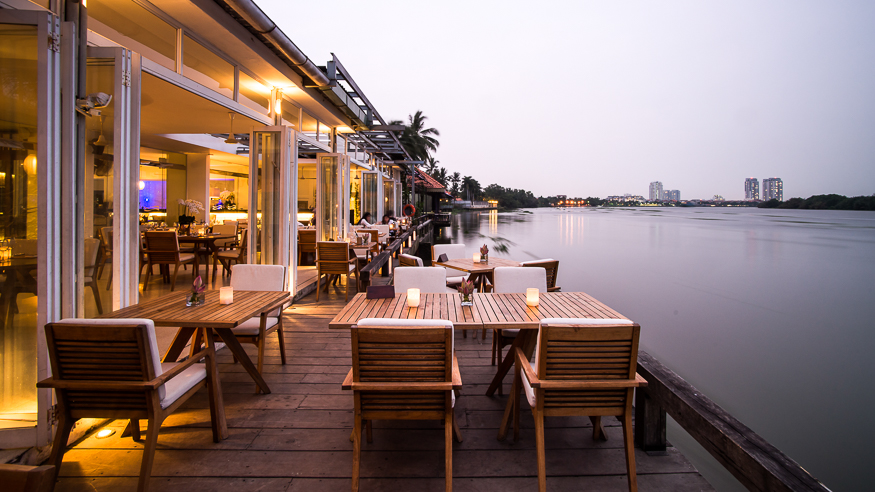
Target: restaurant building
x,y
211,102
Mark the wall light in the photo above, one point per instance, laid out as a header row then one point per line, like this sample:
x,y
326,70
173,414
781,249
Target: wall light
x,y
142,185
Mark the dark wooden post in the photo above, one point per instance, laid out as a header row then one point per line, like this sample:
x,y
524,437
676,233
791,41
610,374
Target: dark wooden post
x,y
649,424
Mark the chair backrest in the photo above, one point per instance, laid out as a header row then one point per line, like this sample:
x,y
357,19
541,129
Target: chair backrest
x,y
549,264
402,351
244,247
587,349
24,246
427,280
259,277
332,257
92,247
409,260
106,235
453,251
509,280
307,236
162,246
104,350
375,234
228,227
381,228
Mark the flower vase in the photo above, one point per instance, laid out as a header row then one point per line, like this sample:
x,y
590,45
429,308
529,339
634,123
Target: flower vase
x,y
484,258
194,299
466,300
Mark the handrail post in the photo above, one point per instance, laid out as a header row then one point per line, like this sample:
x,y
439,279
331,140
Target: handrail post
x,y
650,423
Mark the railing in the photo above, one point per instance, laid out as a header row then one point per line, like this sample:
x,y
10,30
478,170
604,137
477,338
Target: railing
x,y
751,459
421,226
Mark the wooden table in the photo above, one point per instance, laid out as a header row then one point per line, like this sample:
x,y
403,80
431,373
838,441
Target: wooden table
x,y
481,273
493,311
170,310
209,241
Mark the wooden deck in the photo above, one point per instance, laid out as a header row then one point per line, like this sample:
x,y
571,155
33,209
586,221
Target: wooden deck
x,y
297,437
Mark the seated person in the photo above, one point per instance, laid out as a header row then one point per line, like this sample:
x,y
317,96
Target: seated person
x,y
366,220
388,220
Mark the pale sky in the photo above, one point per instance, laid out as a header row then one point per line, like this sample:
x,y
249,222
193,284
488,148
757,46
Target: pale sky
x,y
596,98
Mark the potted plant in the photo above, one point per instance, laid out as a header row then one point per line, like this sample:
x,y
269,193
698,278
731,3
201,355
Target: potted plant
x,y
228,200
187,211
198,293
466,288
484,254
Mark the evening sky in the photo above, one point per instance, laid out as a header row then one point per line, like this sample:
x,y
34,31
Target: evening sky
x,y
600,98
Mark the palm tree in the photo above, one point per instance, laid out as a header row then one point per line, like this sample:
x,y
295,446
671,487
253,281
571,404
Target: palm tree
x,y
431,165
440,175
470,188
455,178
419,141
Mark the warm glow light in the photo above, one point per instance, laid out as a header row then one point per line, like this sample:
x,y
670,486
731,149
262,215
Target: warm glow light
x,y
413,298
305,217
532,297
142,185
104,433
226,295
30,164
476,257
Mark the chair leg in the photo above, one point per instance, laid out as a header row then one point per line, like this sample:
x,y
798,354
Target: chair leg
x,y
135,430
173,280
96,292
109,282
348,280
511,408
148,454
456,431
539,445
148,274
65,425
279,333
598,430
356,451
369,431
494,345
318,287
630,452
448,448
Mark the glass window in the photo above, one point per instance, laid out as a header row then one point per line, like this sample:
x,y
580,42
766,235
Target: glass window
x,y
328,207
207,68
325,134
309,125
389,197
254,94
124,21
229,187
19,211
370,181
290,113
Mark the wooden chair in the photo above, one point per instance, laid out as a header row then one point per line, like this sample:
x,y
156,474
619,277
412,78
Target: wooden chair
x,y
162,248
386,387
552,268
509,280
427,280
453,252
306,243
582,367
255,330
237,255
106,253
409,260
225,228
332,258
92,248
111,368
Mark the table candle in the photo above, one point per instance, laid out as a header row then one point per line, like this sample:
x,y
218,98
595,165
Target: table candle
x,y
476,257
413,298
226,295
531,297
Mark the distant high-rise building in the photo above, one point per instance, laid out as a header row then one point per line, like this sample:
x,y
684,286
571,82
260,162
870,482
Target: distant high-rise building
x,y
674,195
656,190
773,189
752,189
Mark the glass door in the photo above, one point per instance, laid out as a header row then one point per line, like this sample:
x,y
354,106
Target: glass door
x,y
370,194
389,198
270,152
332,196
30,240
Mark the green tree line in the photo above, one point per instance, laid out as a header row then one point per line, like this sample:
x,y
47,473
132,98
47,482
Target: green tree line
x,y
824,202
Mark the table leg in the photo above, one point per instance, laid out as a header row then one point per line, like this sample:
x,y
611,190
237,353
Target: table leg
x,y
234,346
214,388
182,337
526,340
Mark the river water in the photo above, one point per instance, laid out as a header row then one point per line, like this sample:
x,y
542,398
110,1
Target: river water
x,y
770,313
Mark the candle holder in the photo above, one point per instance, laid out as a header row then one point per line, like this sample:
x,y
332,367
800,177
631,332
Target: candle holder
x,y
226,295
412,298
532,297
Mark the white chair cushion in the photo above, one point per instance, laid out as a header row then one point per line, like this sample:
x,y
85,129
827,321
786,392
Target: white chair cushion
x,y
427,280
508,280
536,261
453,252
182,382
454,280
259,277
417,259
185,257
229,253
383,228
530,393
150,335
251,325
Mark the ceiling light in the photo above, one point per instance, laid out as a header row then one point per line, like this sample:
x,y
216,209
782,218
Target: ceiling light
x,y
232,139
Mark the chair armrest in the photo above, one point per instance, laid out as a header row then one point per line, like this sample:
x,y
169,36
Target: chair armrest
x,y
457,376
406,386
347,381
178,368
98,385
523,363
594,384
